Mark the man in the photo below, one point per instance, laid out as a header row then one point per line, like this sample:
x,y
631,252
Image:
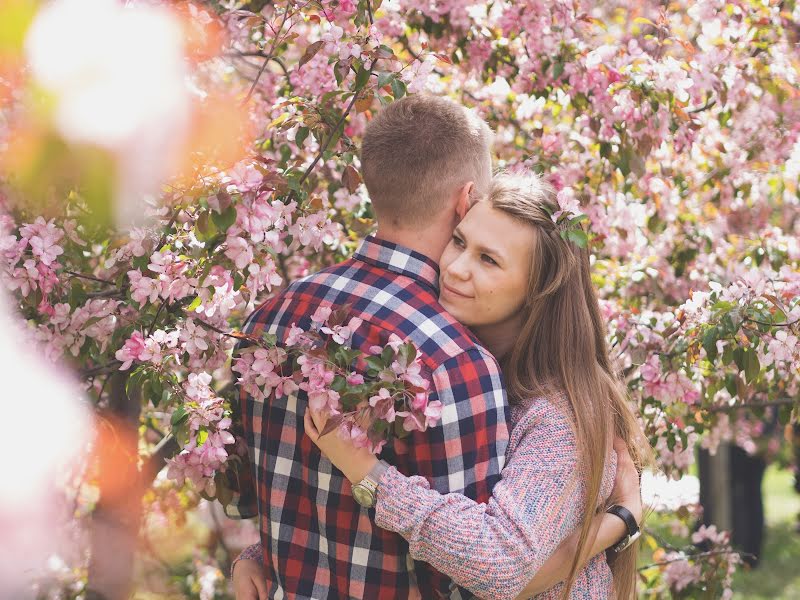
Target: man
x,y
423,160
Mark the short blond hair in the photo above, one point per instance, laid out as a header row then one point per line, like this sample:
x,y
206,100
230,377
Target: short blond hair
x,y
418,151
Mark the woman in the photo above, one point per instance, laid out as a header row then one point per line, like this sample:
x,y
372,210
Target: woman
x,y
527,294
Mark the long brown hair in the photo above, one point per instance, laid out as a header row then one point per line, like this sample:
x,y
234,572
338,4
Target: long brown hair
x,y
562,348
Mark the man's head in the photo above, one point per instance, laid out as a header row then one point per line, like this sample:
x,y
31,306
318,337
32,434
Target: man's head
x,y
418,155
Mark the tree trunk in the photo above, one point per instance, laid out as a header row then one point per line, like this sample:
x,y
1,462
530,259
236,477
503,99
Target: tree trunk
x,y
114,528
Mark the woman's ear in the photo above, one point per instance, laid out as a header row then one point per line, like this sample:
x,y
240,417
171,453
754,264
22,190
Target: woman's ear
x,y
464,202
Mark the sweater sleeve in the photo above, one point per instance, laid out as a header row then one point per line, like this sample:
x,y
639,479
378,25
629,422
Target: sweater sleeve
x,y
495,548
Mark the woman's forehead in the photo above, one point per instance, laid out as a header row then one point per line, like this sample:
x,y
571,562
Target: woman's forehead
x,y
494,229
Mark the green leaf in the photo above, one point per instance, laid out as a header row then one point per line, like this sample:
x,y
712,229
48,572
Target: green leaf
x,y
339,384
384,79
134,383
387,356
374,362
301,135
558,69
179,416
785,414
578,237
195,303
362,77
710,343
398,89
752,367
226,219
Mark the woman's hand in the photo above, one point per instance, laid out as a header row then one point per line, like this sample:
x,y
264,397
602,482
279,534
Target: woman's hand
x,y
627,483
249,580
354,462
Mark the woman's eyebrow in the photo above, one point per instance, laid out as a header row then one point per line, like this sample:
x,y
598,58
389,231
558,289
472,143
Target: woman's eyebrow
x,y
480,247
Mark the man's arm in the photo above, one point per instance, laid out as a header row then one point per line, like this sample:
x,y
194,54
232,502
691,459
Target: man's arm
x,y
239,476
465,452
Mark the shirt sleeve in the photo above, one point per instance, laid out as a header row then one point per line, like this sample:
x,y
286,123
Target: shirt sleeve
x,y
465,452
493,548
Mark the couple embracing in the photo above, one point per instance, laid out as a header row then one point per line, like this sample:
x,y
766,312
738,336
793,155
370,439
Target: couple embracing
x,y
529,485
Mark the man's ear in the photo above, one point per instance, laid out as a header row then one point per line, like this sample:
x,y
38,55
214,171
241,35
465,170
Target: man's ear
x,y
463,202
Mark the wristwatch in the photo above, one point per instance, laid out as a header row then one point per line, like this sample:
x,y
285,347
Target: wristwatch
x,y
630,522
365,491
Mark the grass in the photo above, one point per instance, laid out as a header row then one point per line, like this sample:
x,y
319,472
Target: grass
x,y
778,575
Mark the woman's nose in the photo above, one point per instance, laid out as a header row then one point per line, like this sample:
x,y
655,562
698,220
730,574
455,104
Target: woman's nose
x,y
459,268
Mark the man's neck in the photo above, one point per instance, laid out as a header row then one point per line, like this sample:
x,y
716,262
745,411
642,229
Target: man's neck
x,y
429,242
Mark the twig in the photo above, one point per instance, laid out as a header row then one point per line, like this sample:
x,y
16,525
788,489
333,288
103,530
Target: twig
x,y
789,324
106,294
89,277
268,57
225,333
332,135
694,556
163,239
155,318
106,368
779,402
369,12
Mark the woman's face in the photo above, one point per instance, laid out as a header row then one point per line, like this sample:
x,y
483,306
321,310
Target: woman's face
x,y
484,268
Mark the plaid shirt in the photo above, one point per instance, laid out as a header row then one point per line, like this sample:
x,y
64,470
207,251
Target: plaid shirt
x,y
317,541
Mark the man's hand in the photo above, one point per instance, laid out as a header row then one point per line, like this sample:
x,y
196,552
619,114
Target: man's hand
x,y
627,488
249,580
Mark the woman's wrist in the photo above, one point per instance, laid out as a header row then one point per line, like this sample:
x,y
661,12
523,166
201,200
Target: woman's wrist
x,y
360,467
612,530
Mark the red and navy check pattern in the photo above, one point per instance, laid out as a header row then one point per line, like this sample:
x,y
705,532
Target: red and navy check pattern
x,y
317,541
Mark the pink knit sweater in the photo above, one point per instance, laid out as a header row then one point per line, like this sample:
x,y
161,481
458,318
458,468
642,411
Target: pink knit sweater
x,y
495,549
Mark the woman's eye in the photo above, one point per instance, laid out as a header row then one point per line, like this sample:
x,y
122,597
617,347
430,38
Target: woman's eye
x,y
488,259
458,241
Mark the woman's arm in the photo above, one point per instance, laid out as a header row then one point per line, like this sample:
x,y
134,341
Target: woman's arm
x,y
494,549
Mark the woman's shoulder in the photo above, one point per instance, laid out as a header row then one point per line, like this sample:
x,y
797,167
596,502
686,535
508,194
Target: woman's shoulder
x,y
551,407
544,422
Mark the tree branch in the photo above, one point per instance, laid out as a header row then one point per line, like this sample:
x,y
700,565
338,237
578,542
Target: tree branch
x,y
73,274
268,57
779,402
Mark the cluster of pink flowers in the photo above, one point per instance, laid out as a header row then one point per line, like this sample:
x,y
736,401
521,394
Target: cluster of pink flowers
x,y
205,453
153,348
667,387
37,249
399,390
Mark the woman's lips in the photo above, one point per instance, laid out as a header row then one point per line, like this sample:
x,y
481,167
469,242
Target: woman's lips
x,y
453,291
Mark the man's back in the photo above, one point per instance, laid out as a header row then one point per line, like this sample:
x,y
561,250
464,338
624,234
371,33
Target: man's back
x,y
318,542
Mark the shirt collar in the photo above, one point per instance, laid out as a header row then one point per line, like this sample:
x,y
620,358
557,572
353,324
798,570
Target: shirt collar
x,y
399,259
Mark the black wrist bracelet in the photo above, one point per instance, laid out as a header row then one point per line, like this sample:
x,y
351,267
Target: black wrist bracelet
x,y
631,524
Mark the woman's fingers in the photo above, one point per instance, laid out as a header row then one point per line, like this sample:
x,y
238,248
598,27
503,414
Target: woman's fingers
x,y
308,425
319,419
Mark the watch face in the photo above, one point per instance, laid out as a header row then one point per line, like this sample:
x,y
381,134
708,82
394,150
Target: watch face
x,y
363,496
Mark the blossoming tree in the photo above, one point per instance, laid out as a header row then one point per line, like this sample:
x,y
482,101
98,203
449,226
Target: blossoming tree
x,y
674,129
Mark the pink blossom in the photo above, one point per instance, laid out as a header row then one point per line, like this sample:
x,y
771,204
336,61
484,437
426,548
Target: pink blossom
x,y
355,379
341,333
245,177
143,289
133,349
239,251
679,573
321,315
43,237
